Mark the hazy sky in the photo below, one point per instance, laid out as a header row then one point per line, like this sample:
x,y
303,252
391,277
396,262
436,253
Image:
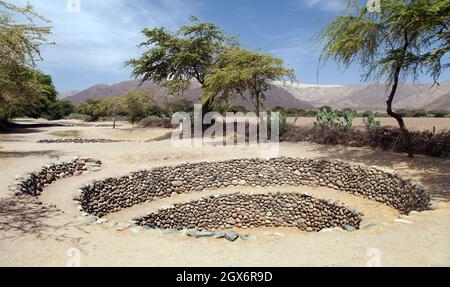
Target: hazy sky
x,y
93,44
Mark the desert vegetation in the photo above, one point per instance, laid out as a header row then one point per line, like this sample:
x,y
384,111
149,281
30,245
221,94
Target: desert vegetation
x,y
406,38
106,176
24,90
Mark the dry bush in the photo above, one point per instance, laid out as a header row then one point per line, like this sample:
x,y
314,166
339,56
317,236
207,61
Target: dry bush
x,y
155,122
385,138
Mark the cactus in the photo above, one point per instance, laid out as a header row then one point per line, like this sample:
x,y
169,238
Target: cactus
x,y
348,118
371,122
333,119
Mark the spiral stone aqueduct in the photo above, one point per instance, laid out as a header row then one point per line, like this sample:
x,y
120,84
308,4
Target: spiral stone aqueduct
x,y
307,213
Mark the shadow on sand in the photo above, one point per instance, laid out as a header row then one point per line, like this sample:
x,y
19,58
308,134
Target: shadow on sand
x,y
23,154
14,128
19,218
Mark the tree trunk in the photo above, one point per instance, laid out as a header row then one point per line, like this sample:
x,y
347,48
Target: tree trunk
x,y
405,133
206,108
258,121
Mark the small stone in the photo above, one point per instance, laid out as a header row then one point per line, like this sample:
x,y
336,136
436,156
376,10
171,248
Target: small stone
x,y
203,234
109,224
244,236
191,232
370,225
91,219
220,234
177,183
404,221
101,221
231,221
136,229
231,235
348,228
122,226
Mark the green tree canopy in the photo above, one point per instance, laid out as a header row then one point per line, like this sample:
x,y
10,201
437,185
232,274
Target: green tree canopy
x,y
246,73
137,104
405,39
46,104
176,59
20,45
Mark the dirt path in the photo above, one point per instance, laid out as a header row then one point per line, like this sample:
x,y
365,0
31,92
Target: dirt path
x,y
32,235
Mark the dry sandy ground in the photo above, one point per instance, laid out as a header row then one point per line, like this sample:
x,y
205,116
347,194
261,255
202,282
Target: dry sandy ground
x,y
32,235
413,124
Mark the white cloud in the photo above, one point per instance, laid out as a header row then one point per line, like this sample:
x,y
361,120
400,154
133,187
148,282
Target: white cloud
x,y
105,33
326,5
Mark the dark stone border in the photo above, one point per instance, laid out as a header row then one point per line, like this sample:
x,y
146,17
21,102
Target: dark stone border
x,y
253,211
78,141
33,183
113,194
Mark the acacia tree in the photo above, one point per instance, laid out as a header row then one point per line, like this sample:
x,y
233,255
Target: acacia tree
x,y
246,73
176,59
137,103
406,39
20,45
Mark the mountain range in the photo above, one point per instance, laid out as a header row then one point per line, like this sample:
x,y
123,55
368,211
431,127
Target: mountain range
x,y
295,95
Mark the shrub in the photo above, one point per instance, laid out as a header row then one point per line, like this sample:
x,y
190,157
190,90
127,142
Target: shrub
x,y
77,116
419,113
385,138
370,122
155,122
335,119
279,109
439,114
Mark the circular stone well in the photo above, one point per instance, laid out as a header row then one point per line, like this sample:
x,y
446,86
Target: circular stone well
x,y
253,211
116,193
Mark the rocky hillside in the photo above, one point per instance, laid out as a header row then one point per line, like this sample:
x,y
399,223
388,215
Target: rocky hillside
x,y
294,95
440,103
277,96
373,96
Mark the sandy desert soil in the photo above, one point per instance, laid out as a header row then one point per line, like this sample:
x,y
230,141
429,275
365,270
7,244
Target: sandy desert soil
x,y
34,235
413,124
